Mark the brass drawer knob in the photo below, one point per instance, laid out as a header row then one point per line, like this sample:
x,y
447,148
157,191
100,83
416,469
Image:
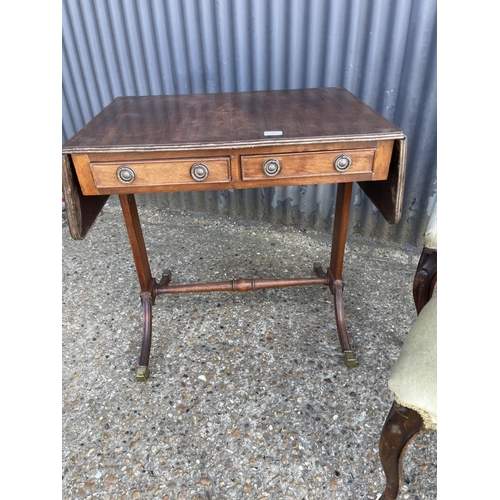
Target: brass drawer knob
x,y
199,172
342,163
125,174
271,167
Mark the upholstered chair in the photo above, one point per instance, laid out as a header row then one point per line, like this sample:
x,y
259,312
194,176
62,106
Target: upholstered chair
x,y
413,378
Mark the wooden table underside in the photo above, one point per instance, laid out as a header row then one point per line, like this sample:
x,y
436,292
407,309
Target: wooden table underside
x,y
150,288
233,141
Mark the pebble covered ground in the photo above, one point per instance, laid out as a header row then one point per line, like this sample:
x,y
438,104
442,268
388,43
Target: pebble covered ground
x,y
248,396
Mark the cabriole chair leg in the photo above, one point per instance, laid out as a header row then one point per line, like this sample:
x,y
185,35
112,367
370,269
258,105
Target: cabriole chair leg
x,y
401,426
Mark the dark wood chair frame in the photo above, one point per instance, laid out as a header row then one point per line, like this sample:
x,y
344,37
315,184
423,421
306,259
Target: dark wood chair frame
x,y
403,424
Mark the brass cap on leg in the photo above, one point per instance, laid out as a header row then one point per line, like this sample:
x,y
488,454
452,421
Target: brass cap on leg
x,y
350,359
142,374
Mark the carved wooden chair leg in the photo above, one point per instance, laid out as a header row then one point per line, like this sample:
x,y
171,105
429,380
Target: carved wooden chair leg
x,y
401,426
425,278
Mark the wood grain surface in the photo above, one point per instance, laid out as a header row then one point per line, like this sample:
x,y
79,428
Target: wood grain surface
x,y
171,122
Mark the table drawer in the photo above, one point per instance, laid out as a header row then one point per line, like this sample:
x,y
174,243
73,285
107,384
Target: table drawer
x,y
147,173
307,165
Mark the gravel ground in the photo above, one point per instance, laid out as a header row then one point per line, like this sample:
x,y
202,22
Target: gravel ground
x,y
248,396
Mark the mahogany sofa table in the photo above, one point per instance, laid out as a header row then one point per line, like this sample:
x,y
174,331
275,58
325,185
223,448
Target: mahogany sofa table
x,y
241,140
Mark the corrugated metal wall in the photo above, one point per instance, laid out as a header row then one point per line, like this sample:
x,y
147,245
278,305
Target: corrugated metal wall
x,y
383,51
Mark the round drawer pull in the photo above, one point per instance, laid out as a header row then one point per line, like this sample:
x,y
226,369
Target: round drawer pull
x,y
125,174
271,167
342,163
199,172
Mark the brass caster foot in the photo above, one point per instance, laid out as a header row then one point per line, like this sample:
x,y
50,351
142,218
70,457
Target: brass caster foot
x,y
350,359
142,374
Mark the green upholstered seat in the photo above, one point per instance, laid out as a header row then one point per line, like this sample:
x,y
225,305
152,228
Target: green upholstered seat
x,y
413,379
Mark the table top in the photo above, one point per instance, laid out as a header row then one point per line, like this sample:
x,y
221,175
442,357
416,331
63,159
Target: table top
x,y
226,120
